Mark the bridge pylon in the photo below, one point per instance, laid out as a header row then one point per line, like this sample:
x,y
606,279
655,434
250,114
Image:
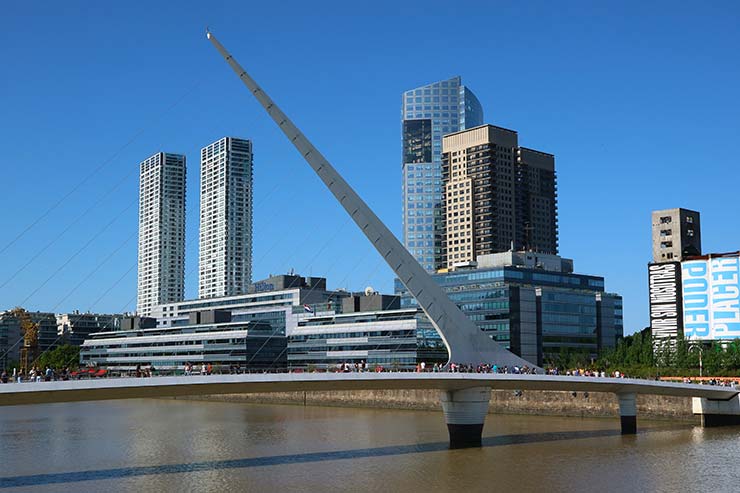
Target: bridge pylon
x,y
717,412
465,342
628,412
465,414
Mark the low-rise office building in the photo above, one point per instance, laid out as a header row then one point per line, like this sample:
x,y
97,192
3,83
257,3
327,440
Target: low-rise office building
x,y
11,335
393,339
324,327
11,340
533,304
75,327
208,337
280,301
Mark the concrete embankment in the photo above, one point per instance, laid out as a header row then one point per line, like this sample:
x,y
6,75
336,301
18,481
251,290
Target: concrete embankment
x,y
539,402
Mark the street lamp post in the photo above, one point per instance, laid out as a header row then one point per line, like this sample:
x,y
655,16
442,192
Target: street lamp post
x,y
701,350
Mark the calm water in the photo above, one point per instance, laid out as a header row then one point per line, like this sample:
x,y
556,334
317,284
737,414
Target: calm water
x,y
166,445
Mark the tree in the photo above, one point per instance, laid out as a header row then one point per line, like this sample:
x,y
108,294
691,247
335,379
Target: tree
x,y
60,357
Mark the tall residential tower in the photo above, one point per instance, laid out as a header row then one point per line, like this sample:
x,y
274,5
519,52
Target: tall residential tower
x,y
225,259
498,196
428,113
161,231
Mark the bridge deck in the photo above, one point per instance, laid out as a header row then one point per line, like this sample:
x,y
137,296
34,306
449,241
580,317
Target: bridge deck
x,y
129,388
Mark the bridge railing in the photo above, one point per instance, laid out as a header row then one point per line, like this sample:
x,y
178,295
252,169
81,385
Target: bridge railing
x,y
149,372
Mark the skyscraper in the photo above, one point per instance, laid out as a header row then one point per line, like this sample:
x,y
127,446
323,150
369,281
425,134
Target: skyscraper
x,y
428,113
498,196
676,234
225,259
161,276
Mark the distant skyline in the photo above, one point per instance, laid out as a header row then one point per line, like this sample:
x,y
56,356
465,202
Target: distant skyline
x,y
638,103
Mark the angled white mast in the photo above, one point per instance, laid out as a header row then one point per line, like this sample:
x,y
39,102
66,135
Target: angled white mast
x,y
465,342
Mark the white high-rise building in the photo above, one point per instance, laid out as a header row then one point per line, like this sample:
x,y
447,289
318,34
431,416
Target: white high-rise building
x,y
161,231
225,260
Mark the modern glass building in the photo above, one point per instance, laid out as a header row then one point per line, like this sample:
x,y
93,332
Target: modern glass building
x,y
534,305
324,327
428,113
393,339
280,301
249,345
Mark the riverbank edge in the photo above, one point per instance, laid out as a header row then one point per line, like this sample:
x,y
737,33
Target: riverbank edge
x,y
531,402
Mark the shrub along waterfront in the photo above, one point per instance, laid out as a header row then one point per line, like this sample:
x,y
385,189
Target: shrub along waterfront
x,y
634,356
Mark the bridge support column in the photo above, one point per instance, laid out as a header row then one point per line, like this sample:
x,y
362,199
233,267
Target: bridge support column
x,y
465,412
628,412
716,412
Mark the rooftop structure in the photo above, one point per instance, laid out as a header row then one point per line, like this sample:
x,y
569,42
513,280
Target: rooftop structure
x,y
676,234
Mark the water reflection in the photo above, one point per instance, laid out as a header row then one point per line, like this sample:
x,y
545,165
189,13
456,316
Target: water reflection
x,y
166,445
499,441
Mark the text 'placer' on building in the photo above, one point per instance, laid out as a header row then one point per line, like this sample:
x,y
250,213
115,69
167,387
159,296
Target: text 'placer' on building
x,y
692,296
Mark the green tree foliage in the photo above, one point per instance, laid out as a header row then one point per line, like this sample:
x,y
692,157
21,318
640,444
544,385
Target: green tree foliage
x,y
636,356
61,357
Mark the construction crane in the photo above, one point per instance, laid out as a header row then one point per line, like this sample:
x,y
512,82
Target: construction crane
x,y
30,330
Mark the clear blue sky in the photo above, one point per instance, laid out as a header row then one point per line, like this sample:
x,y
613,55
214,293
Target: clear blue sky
x,y
638,101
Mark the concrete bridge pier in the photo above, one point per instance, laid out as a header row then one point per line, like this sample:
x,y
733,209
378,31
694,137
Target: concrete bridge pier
x,y
465,413
628,412
715,412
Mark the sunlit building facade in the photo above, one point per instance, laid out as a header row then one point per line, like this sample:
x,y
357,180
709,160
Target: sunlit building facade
x,y
161,273
499,196
534,305
225,255
428,113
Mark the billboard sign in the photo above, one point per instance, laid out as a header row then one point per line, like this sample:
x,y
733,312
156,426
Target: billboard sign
x,y
664,282
711,298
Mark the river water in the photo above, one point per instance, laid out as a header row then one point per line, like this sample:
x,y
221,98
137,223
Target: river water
x,y
179,445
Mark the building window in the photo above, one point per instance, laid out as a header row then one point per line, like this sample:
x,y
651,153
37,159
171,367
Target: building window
x,y
665,219
666,244
690,220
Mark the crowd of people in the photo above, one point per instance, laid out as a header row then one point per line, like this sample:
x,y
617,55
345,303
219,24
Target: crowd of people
x,y
487,368
35,375
452,367
580,372
52,374
202,369
721,382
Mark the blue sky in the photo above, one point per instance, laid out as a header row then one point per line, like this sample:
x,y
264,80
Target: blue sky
x,y
637,100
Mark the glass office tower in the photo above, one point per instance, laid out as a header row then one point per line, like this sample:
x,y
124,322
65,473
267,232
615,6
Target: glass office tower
x,y
534,305
428,113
